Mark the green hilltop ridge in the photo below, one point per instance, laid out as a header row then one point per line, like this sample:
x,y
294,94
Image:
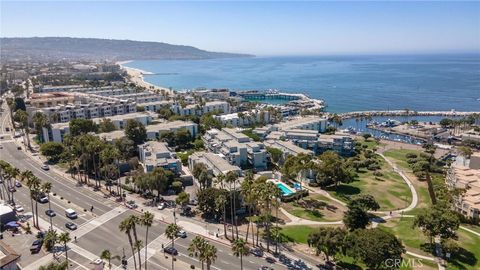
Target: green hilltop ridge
x,y
58,48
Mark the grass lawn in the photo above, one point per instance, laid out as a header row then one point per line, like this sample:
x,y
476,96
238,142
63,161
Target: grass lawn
x,y
475,228
412,238
398,156
390,191
317,208
297,233
469,256
414,263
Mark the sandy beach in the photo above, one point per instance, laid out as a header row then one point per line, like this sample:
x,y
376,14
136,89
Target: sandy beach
x,y
136,76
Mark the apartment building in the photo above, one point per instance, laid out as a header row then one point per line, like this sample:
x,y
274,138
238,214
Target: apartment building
x,y
195,109
155,105
57,131
287,147
153,154
216,163
236,147
468,203
316,123
155,131
247,118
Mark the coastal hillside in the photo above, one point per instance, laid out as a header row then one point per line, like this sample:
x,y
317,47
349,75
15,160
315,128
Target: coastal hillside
x,y
57,48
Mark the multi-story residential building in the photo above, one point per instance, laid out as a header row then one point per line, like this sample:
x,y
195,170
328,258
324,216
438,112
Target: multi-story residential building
x,y
342,144
195,109
468,203
153,154
221,94
85,106
57,131
51,99
236,147
307,123
245,118
155,131
61,88
287,147
155,105
216,163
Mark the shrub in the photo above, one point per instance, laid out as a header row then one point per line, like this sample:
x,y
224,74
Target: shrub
x,y
411,155
373,167
177,186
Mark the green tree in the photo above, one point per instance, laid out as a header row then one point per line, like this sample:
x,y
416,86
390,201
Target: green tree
x,y
240,249
203,176
126,227
106,125
365,201
64,238
21,117
171,232
146,220
107,255
366,136
50,239
54,266
356,218
327,240
196,247
332,170
374,247
52,150
438,221
40,121
135,131
182,199
275,154
81,126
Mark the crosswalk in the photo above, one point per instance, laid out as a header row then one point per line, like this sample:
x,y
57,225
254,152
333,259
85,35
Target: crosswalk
x,y
153,247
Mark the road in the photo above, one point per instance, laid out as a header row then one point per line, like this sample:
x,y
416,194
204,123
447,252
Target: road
x,y
98,230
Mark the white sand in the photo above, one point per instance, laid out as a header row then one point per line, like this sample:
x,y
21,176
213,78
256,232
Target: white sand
x,y
136,76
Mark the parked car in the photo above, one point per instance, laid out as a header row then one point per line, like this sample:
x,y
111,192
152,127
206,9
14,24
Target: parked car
x,y
193,202
19,208
270,260
45,167
71,226
182,234
18,184
36,246
256,252
264,268
19,148
171,251
131,205
161,206
11,189
50,213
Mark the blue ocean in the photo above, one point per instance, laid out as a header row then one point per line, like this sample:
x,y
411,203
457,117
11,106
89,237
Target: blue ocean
x,y
346,83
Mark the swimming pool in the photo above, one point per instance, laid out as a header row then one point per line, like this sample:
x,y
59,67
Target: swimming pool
x,y
285,190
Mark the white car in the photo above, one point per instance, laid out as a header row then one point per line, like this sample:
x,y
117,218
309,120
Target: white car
x,y
161,206
19,208
45,167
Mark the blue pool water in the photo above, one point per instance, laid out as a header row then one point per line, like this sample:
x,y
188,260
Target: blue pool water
x,y
285,190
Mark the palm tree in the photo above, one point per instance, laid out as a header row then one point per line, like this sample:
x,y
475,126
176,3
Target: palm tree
x,y
126,227
231,178
249,197
196,247
64,238
22,117
171,232
51,238
33,183
107,255
208,255
46,188
147,221
40,121
222,200
240,249
12,173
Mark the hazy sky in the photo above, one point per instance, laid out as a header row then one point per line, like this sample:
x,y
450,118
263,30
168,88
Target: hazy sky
x,y
262,28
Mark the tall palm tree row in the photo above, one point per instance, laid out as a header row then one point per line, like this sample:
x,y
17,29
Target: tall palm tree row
x,y
240,249
171,232
203,250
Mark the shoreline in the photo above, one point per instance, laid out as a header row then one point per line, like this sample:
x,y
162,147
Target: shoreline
x,y
137,76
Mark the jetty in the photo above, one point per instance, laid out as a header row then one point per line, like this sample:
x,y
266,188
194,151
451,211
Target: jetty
x,y
451,113
298,100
